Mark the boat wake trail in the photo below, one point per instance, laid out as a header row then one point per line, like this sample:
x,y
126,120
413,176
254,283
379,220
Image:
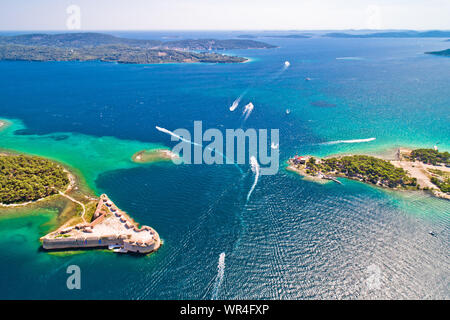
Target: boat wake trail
x,y
274,76
237,101
193,232
176,136
219,277
348,141
247,111
196,144
255,169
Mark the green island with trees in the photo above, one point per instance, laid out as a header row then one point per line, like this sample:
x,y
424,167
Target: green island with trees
x,y
441,179
363,168
430,156
421,169
29,182
29,178
444,184
433,157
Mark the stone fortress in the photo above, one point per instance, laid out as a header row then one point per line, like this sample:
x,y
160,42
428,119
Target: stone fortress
x,y
110,228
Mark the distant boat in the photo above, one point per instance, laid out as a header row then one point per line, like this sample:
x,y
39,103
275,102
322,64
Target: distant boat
x,y
307,79
288,111
234,105
432,233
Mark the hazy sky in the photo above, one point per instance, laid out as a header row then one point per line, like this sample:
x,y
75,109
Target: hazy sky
x,y
223,14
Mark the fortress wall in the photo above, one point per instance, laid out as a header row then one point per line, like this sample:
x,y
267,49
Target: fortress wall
x,y
142,249
59,243
78,243
98,220
50,244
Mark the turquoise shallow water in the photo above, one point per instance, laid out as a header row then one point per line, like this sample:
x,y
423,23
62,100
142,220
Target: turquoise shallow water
x,y
294,238
86,154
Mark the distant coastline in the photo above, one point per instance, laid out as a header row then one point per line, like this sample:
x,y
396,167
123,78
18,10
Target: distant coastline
x,y
444,53
391,34
107,48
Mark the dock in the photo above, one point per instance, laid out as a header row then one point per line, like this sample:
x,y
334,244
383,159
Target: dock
x,y
332,179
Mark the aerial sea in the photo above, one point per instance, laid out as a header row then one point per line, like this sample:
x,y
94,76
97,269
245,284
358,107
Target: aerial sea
x,y
293,238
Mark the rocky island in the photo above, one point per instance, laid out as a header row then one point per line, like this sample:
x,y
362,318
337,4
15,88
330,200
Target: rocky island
x,y
108,48
420,169
155,155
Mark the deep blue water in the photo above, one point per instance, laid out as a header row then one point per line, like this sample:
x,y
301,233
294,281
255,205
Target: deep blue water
x,y
294,238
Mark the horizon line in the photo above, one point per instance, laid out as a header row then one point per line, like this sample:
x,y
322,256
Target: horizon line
x,y
219,30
